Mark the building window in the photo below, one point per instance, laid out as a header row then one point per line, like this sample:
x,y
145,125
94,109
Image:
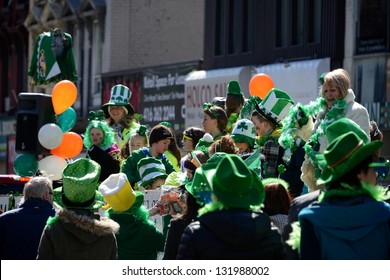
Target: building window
x,y
282,23
297,20
96,58
373,26
233,27
220,27
314,21
247,27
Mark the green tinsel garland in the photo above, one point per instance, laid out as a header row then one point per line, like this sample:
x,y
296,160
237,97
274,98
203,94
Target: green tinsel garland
x,y
311,147
231,121
249,106
298,117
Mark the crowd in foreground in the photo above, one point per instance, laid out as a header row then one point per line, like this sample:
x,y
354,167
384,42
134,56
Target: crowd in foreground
x,y
262,179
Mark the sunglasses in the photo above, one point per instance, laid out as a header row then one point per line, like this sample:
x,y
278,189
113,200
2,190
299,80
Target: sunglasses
x,y
381,168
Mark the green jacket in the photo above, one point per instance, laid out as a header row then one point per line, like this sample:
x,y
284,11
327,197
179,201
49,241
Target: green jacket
x,y
136,239
46,66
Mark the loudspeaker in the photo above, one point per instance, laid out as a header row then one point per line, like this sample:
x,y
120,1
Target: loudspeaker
x,y
34,111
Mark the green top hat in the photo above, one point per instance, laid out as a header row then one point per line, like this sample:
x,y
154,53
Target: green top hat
x,y
167,124
337,128
234,184
143,130
150,169
244,132
275,106
120,96
343,154
233,88
80,181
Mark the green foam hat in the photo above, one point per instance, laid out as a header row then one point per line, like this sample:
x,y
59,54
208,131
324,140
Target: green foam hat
x,y
275,106
234,184
79,190
120,96
233,88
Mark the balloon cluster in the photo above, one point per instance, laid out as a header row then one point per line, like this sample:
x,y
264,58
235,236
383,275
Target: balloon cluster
x,y
55,137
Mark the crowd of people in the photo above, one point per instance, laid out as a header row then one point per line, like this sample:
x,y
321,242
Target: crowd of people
x,y
280,181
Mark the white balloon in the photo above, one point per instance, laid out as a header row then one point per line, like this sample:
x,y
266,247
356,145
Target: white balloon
x,y
50,136
52,166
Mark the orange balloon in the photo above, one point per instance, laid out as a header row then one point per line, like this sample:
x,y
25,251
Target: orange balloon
x,y
63,96
71,146
260,85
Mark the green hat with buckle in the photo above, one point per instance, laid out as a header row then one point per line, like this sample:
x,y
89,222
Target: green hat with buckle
x,y
120,96
234,184
343,154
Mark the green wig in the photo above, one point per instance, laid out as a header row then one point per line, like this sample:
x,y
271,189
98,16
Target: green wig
x,y
108,133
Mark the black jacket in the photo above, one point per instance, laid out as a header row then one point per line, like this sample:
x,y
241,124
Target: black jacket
x,y
175,231
297,205
231,234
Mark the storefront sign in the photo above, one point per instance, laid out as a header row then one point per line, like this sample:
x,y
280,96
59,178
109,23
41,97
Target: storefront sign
x,y
162,96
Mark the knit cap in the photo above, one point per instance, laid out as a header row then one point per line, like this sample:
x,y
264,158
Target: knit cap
x,y
244,132
149,170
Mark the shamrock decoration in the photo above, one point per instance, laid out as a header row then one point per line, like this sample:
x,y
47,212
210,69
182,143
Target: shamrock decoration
x,y
243,126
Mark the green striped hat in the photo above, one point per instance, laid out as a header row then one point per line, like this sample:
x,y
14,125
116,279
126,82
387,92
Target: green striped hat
x,y
149,170
120,96
275,106
244,132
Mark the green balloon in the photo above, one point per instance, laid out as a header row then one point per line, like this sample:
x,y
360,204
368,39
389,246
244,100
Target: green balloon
x,y
67,119
26,165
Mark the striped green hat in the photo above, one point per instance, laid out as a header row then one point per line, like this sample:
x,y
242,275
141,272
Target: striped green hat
x,y
120,96
275,106
150,169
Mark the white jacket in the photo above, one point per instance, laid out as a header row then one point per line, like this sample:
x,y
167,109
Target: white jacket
x,y
353,111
